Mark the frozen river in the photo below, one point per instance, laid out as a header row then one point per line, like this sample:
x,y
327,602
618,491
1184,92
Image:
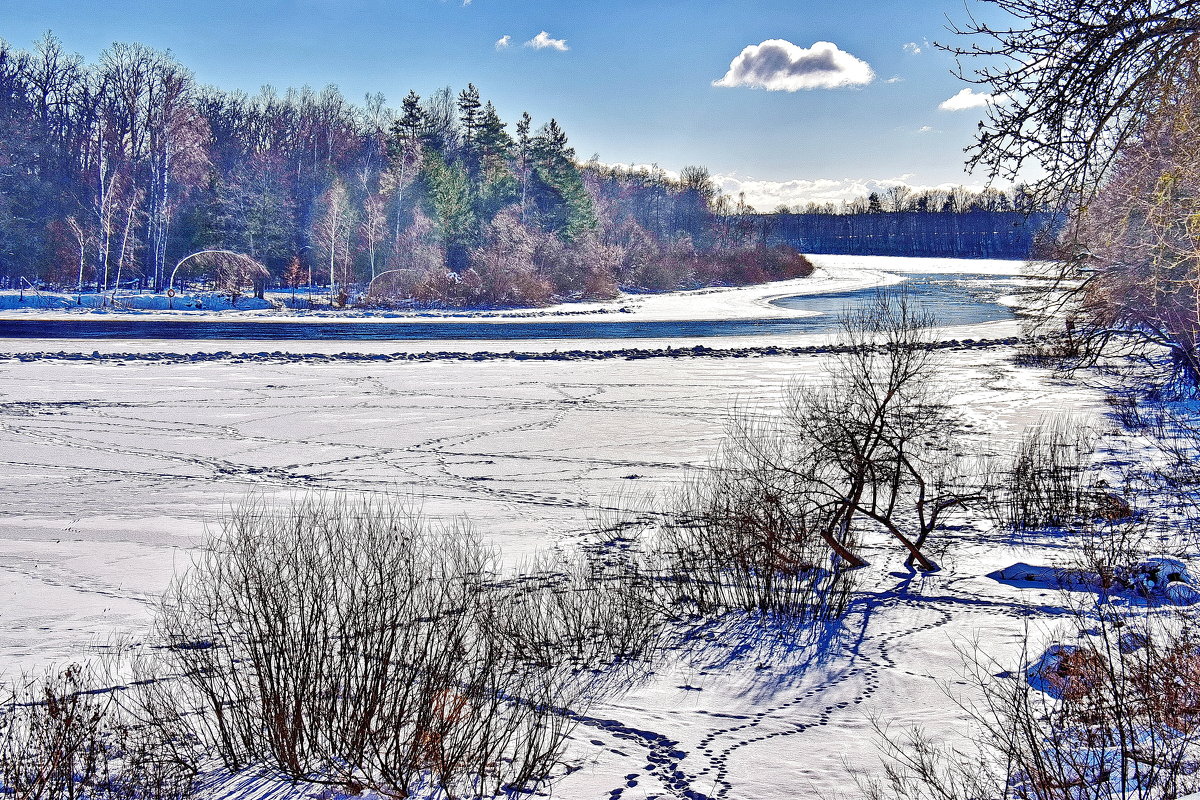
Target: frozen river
x,y
955,299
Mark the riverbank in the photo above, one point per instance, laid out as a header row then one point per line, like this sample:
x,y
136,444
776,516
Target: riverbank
x,y
834,274
117,456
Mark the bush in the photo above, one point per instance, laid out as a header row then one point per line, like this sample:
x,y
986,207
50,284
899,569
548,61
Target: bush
x,y
64,737
345,640
747,535
1117,715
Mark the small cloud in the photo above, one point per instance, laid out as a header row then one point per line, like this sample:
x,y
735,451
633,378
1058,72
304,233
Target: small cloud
x,y
543,42
925,129
912,48
779,65
895,79
504,42
969,98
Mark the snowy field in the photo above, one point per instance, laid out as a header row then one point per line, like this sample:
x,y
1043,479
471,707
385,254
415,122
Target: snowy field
x,y
111,472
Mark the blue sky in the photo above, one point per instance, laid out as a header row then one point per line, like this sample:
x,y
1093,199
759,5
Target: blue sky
x,y
634,83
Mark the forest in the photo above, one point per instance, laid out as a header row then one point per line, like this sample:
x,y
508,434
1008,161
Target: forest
x,y
112,172
977,233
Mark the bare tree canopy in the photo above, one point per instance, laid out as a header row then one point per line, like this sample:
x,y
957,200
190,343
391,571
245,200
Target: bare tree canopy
x,y
1071,81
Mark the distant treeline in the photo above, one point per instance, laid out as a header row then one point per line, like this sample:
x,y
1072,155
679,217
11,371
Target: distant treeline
x,y
112,172
971,234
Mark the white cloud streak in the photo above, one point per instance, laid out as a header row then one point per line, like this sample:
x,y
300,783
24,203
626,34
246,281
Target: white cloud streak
x,y
765,195
769,195
504,42
543,41
779,65
968,98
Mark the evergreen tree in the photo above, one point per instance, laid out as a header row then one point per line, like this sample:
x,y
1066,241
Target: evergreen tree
x,y
564,206
448,191
469,115
497,185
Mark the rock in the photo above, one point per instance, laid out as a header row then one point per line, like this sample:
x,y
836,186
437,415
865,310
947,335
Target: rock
x,y
1178,593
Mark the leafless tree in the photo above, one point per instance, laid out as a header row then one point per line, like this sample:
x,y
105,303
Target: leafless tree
x,y
332,234
1071,81
785,504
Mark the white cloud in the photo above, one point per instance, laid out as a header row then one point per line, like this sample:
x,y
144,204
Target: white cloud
x,y
769,195
913,48
895,79
503,42
543,42
969,98
925,129
765,195
779,65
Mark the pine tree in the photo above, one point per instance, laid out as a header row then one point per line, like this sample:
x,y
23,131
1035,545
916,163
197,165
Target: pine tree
x,y
448,191
564,206
468,110
524,148
497,185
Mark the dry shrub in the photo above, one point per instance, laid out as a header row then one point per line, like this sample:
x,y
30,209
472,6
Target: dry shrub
x,y
1121,719
345,640
749,536
64,737
597,624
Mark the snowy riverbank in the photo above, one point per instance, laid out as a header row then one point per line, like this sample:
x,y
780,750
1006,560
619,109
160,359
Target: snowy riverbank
x,y
834,274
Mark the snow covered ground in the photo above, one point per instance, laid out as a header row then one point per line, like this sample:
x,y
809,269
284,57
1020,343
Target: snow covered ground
x,y
110,471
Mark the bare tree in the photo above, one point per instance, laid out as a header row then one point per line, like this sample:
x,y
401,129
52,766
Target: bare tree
x,y
373,228
331,234
1071,81
871,450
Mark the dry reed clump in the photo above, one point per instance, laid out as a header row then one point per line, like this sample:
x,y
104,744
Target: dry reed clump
x,y
1048,481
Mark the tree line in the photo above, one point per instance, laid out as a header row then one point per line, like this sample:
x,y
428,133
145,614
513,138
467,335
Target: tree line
x,y
953,200
112,172
976,234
